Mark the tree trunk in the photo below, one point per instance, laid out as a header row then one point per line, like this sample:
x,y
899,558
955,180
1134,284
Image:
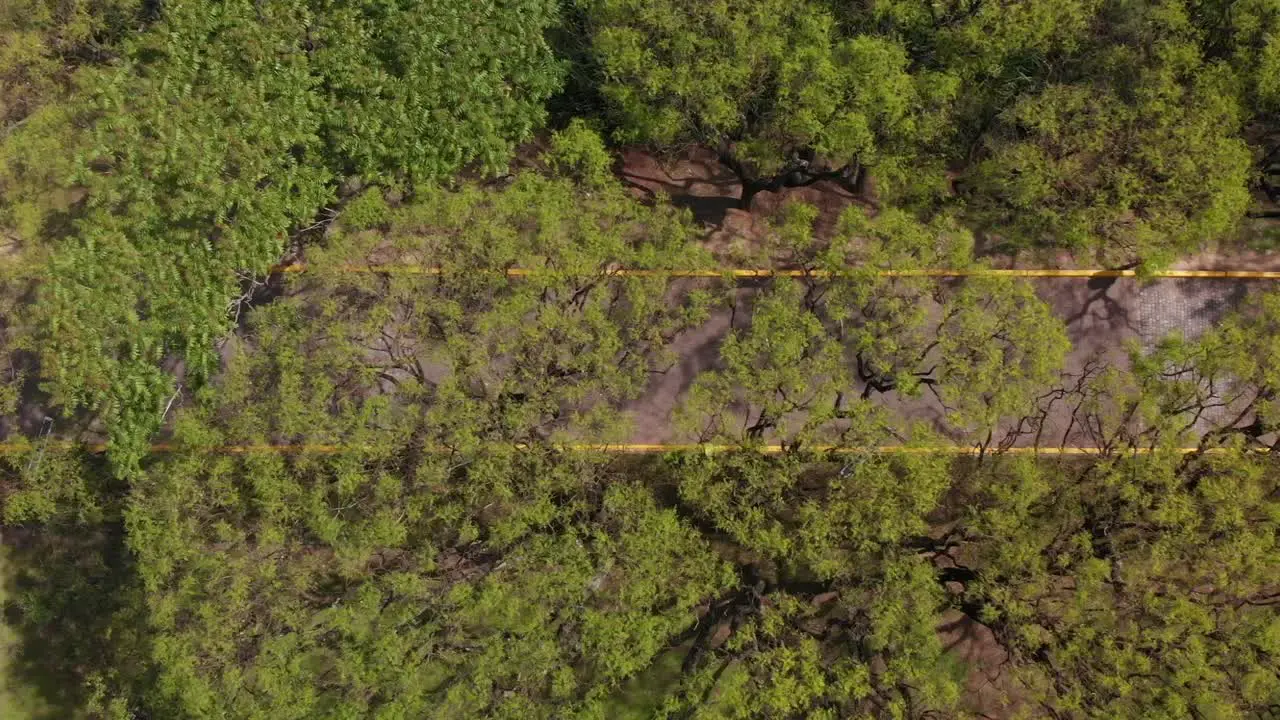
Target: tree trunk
x,y
851,177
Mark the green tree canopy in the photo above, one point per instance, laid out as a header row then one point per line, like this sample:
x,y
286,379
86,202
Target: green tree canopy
x,y
1247,35
1131,585
1133,153
422,90
445,334
777,87
174,204
173,176
367,585
43,41
868,318
451,562
1081,167
1127,583
383,493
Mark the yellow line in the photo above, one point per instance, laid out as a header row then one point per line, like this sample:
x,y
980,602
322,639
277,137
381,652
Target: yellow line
x,y
622,448
413,269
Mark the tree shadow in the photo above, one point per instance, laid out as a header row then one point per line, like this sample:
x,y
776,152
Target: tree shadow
x,y
579,95
706,209
66,591
694,181
1099,292
20,373
1228,297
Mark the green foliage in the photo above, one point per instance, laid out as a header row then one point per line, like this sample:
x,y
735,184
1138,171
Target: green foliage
x,y
1221,388
417,89
13,372
1112,129
1129,584
42,43
176,202
175,174
985,44
999,347
72,602
450,559
436,543
1080,167
42,40
817,350
1108,128
578,151
813,519
1133,154
362,586
450,562
1246,34
71,598
867,650
50,486
768,81
404,365
475,353
785,371
1135,585
367,210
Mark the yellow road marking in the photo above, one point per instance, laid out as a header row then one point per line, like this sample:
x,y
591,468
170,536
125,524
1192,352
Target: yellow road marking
x,y
624,449
413,269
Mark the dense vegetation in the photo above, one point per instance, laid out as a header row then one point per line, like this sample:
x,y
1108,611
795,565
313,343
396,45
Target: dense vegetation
x,y
375,485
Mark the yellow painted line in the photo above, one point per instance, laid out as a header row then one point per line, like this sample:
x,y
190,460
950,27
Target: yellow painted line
x,y
413,269
623,449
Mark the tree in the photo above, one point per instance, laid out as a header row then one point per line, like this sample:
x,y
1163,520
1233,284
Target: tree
x,y
188,161
174,205
1131,584
995,51
42,44
1110,129
382,497
867,651
979,40
71,597
421,90
1135,157
1247,35
1122,583
836,608
483,354
44,41
14,371
1219,389
449,559
869,318
373,586
778,88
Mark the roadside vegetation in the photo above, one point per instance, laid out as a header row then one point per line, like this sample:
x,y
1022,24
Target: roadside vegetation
x,y
318,321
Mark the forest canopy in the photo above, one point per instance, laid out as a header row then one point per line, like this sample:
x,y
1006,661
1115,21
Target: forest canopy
x,y
638,359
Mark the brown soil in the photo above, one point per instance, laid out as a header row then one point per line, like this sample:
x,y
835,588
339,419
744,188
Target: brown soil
x,y
695,179
990,691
